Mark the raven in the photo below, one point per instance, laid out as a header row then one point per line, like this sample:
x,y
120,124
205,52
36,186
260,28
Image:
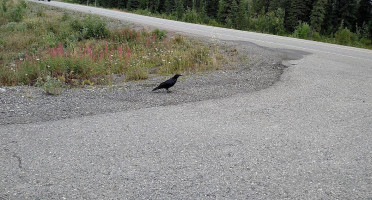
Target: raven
x,y
168,83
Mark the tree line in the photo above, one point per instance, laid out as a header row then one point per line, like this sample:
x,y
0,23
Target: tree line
x,y
349,20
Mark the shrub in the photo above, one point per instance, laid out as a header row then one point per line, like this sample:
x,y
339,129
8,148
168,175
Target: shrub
x,y
90,27
191,16
316,36
365,41
303,31
51,85
160,34
344,37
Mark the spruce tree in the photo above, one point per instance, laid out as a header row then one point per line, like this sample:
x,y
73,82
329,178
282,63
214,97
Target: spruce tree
x,y
233,14
222,11
364,12
133,4
179,8
317,15
212,8
347,11
122,4
242,17
168,6
299,11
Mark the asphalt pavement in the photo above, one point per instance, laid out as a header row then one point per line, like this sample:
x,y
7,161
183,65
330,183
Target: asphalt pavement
x,y
309,136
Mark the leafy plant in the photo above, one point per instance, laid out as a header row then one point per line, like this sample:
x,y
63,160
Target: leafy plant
x,y
160,34
344,36
51,85
302,31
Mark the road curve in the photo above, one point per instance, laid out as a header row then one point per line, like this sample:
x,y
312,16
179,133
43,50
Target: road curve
x,y
309,136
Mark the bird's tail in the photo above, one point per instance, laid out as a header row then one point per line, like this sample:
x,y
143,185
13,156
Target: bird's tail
x,y
155,89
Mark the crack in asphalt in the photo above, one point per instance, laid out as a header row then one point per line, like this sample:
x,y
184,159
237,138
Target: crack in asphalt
x,y
19,159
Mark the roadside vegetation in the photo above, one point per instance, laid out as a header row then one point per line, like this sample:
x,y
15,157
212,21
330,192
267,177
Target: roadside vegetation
x,y
54,49
333,21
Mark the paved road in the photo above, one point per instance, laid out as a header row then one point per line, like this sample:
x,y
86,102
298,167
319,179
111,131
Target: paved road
x,y
309,136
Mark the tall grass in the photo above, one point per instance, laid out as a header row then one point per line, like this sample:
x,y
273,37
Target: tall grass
x,y
47,45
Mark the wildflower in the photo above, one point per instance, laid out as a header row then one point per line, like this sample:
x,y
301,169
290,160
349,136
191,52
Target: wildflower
x,y
37,59
120,50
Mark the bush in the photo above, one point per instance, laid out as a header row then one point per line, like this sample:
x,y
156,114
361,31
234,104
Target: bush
x,y
159,34
365,41
51,85
303,31
191,16
344,37
316,36
90,27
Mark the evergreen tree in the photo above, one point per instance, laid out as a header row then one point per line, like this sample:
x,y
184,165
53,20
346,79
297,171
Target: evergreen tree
x,y
222,11
242,18
233,14
133,4
168,6
122,4
179,8
212,8
275,4
347,11
202,11
299,11
317,15
364,12
153,5
330,19
258,5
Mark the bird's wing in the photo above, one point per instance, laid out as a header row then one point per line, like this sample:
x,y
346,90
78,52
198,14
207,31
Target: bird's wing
x,y
163,84
169,82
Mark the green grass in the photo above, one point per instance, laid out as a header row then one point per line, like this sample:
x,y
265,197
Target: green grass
x,y
48,46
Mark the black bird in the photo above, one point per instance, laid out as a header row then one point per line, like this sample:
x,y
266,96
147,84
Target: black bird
x,y
168,83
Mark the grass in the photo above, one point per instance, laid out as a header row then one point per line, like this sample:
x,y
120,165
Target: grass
x,y
52,49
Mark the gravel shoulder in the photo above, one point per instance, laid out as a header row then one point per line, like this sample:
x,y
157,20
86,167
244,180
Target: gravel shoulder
x,y
257,69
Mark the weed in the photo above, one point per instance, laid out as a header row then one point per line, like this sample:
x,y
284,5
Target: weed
x,y
51,85
160,34
18,12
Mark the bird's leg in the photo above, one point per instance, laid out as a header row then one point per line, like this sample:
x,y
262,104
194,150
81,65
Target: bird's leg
x,y
168,91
